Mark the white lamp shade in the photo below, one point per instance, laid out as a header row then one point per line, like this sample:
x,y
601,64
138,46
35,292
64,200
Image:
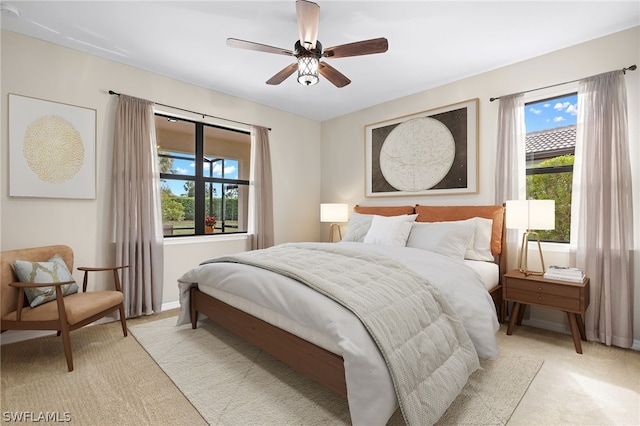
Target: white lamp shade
x,y
531,214
334,212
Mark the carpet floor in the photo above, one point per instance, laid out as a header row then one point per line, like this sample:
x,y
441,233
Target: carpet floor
x,y
231,382
114,382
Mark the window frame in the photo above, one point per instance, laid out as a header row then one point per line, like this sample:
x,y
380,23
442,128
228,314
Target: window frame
x,y
199,179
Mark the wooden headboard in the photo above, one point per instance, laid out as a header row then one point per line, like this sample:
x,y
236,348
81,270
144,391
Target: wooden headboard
x,y
384,210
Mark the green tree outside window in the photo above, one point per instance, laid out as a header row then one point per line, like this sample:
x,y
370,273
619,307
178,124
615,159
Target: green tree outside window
x,y
554,186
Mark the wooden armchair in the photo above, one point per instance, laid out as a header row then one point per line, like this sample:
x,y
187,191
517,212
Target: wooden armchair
x,y
65,314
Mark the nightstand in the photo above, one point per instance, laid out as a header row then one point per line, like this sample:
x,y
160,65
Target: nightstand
x,y
566,296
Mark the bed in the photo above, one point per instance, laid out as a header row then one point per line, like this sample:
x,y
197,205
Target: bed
x,y
289,320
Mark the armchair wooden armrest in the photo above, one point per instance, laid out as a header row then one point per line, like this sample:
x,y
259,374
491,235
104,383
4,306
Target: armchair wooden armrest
x,y
116,277
31,285
61,310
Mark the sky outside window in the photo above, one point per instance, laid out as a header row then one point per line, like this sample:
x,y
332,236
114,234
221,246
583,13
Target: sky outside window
x,y
551,113
187,167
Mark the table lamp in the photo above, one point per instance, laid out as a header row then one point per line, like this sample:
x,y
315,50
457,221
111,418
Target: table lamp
x,y
334,213
530,215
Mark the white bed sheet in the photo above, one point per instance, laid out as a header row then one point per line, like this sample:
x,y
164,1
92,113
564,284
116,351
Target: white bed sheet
x,y
294,307
489,272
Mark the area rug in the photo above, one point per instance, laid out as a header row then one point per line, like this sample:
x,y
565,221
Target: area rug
x,y
231,382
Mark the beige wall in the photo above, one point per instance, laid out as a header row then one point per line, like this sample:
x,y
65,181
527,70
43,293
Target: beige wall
x,y
343,137
47,71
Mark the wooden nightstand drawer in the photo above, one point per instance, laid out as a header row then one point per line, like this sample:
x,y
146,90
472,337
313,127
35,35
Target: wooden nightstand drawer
x,y
533,297
545,288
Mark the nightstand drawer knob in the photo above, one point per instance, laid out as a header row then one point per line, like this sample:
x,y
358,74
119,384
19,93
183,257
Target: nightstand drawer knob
x,y
539,288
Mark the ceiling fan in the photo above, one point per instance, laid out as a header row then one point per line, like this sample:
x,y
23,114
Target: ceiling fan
x,y
308,50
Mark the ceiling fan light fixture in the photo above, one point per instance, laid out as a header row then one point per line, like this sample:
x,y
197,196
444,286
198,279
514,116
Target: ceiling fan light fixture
x,y
308,50
308,70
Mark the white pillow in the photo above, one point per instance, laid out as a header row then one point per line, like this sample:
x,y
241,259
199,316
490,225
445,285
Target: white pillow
x,y
390,231
479,247
358,227
447,238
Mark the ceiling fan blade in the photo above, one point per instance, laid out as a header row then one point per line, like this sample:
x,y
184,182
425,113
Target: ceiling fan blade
x,y
250,45
283,74
365,47
308,23
333,75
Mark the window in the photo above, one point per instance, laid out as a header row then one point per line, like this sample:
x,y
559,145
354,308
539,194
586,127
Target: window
x,y
204,172
550,150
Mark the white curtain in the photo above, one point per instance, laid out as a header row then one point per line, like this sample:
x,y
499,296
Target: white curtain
x,y
261,190
138,213
511,181
603,197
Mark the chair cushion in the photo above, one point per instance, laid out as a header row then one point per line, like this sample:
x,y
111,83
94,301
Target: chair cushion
x,y
52,271
79,306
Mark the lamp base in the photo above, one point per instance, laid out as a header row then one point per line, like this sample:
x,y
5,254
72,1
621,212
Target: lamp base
x,y
332,228
524,251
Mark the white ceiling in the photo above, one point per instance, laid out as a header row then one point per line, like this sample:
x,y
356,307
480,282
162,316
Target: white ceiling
x,y
430,42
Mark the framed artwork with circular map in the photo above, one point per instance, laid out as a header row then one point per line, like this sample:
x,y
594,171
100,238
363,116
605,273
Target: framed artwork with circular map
x,y
52,149
433,152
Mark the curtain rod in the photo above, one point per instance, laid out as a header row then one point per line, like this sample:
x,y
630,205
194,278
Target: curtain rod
x,y
111,92
624,71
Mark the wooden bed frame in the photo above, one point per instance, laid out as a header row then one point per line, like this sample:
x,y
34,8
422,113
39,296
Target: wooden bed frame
x,y
323,366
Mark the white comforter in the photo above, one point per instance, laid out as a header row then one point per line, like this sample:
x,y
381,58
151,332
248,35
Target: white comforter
x,y
281,300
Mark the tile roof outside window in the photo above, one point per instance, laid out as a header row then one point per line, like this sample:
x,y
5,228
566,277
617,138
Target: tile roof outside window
x,y
552,142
